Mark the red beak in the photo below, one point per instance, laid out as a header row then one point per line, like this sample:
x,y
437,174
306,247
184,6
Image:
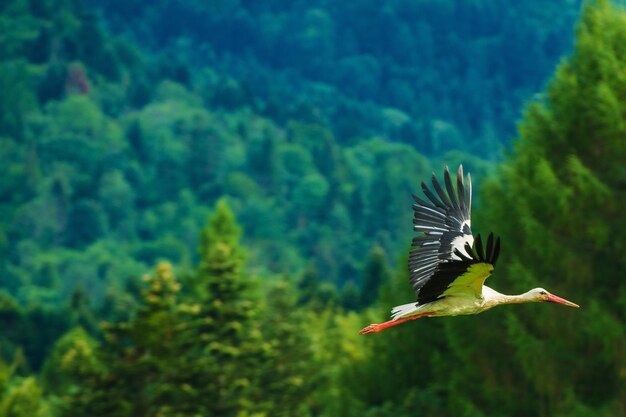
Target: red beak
x,y
554,299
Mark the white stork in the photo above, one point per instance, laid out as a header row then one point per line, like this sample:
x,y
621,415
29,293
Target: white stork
x,y
447,266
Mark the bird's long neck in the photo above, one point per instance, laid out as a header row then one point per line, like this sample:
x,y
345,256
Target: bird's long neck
x,y
494,298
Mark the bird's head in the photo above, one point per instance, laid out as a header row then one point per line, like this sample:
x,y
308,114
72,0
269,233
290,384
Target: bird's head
x,y
539,294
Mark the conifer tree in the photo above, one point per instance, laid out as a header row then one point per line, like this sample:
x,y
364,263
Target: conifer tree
x,y
231,342
374,275
557,203
220,272
288,372
315,293
350,296
73,358
20,396
142,361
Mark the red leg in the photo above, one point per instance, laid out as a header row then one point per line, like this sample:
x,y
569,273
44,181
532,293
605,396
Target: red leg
x,y
375,328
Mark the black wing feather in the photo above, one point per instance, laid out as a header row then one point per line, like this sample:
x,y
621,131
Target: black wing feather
x,y
496,252
442,195
461,189
445,273
451,191
432,197
444,250
490,243
478,245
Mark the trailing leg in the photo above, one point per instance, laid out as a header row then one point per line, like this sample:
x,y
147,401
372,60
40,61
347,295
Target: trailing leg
x,y
377,327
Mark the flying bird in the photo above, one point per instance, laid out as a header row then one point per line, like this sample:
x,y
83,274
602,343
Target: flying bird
x,y
447,265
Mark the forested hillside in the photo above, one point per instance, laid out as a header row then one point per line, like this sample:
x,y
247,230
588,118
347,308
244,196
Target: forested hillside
x,y
119,142
115,153
201,203
439,75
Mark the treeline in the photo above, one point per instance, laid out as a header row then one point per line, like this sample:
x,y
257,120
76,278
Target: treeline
x,y
206,344
212,340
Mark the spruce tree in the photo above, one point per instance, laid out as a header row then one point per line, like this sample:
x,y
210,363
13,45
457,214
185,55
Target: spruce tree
x,y
20,396
557,203
374,274
289,376
141,367
220,272
231,347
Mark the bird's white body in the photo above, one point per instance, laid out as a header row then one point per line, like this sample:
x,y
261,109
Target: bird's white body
x,y
463,304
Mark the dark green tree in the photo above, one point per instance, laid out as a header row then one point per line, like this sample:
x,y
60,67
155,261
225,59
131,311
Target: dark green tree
x,y
394,374
229,333
72,361
16,100
556,202
20,396
314,292
288,376
350,296
374,274
139,369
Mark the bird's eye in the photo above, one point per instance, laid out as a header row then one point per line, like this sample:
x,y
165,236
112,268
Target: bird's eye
x,y
543,293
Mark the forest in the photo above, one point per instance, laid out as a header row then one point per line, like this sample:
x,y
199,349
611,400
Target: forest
x,y
201,203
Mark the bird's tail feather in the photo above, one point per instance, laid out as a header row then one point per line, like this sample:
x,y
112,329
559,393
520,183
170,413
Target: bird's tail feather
x,y
403,310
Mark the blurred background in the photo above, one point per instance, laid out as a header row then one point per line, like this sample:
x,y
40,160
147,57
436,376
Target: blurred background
x,y
202,202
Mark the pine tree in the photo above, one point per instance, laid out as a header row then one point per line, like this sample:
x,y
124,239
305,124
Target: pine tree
x,y
72,359
315,293
20,396
557,205
289,376
374,274
204,356
231,342
140,367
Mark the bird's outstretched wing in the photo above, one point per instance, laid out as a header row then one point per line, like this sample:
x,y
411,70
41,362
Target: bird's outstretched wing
x,y
445,249
464,277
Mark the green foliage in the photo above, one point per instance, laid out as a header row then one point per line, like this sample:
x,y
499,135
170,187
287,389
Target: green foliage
x,y
557,201
203,353
427,73
289,376
231,340
112,157
72,358
140,361
114,154
395,374
20,396
17,98
375,273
